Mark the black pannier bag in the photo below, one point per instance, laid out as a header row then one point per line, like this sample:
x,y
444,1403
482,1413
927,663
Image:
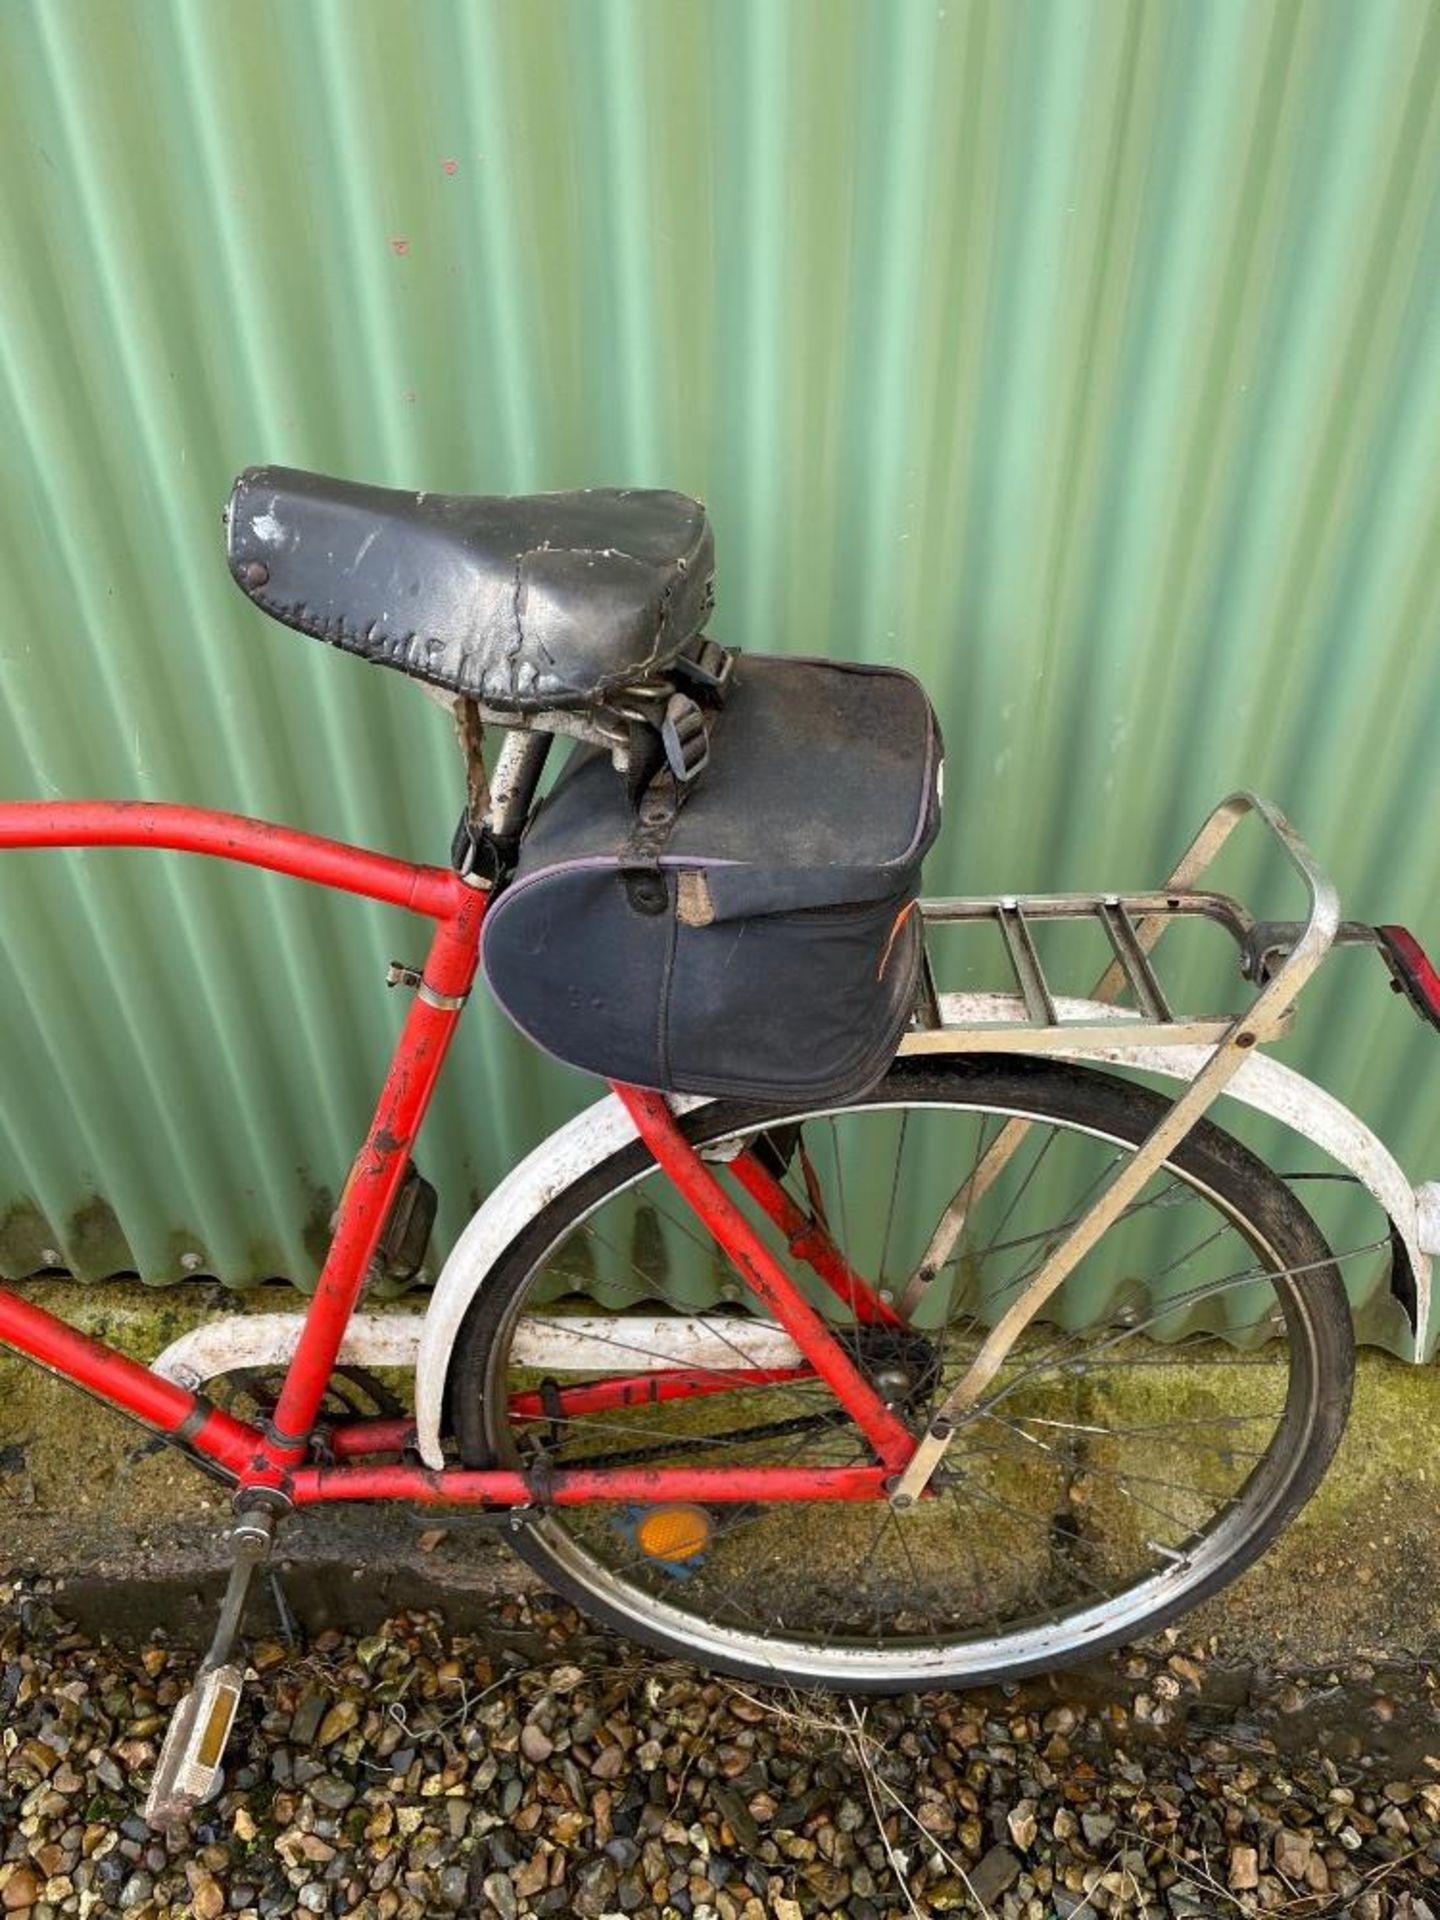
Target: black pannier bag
x,y
768,947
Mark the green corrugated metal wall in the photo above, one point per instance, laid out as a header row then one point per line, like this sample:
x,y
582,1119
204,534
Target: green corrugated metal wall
x,y
1082,356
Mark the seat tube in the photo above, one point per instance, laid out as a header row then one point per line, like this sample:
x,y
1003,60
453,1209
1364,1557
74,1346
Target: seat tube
x,y
376,1176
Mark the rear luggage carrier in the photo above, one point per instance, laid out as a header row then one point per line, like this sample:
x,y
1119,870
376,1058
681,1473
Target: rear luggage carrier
x,y
1133,924
1270,952
1173,1046
1276,958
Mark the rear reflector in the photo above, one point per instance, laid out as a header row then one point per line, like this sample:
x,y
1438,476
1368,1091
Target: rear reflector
x,y
1412,971
675,1533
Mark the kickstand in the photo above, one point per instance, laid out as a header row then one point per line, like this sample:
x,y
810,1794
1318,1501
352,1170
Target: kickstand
x,y
285,1613
189,1769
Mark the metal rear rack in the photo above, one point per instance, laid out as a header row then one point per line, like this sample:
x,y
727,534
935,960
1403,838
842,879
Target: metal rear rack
x,y
1131,922
1279,964
1272,954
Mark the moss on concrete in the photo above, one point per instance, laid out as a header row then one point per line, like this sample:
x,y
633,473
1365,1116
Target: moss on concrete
x,y
1361,1567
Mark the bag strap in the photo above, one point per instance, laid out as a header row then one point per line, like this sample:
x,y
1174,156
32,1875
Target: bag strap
x,y
684,731
706,669
655,817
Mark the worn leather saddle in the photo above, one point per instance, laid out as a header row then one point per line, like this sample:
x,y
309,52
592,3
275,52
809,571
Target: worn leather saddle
x,y
522,603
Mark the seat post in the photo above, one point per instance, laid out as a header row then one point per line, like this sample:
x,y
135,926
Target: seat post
x,y
512,785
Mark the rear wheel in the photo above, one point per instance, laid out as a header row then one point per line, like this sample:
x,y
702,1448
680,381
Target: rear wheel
x,y
1139,1448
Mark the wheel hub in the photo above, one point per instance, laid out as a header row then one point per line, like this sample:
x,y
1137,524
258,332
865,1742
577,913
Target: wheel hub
x,y
902,1365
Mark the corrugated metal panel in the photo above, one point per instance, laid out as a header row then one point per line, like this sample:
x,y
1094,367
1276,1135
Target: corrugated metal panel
x,y
1083,357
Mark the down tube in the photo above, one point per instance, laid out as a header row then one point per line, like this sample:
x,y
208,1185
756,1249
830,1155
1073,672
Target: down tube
x,y
113,1377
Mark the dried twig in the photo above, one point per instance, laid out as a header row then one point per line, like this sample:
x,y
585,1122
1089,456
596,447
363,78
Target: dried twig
x,y
897,1867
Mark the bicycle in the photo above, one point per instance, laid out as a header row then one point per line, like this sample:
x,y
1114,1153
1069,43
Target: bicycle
x,y
1073,1364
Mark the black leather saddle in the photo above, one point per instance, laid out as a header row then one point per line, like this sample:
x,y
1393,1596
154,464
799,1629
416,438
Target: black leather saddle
x,y
550,600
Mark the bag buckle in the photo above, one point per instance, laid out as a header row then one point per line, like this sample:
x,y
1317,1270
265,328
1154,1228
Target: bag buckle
x,y
706,670
685,737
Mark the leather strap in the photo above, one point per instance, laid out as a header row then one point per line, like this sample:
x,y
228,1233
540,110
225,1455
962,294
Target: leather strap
x,y
655,817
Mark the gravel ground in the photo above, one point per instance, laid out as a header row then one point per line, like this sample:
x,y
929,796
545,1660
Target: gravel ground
x,y
542,1768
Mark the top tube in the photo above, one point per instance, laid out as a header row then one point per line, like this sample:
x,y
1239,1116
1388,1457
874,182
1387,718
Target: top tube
x,y
435,891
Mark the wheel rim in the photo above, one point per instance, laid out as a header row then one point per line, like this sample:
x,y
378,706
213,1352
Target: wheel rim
x,y
813,1571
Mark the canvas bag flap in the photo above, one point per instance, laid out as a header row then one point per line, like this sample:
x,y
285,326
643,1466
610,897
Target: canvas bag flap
x,y
821,791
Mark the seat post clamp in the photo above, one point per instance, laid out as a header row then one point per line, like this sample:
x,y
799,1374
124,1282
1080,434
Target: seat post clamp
x,y
483,859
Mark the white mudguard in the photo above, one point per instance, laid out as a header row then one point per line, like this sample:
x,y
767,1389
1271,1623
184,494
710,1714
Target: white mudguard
x,y
1308,1110
592,1136
582,1143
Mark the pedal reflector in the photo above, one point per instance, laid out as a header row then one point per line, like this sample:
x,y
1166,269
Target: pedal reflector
x,y
189,1769
675,1534
219,1718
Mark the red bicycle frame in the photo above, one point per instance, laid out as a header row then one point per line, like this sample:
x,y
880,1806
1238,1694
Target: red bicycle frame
x,y
279,1456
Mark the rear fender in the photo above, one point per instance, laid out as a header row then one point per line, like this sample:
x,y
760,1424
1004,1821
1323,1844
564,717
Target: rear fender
x,y
1270,1088
602,1129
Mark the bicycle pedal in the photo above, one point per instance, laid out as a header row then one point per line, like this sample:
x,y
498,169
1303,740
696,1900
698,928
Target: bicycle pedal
x,y
189,1770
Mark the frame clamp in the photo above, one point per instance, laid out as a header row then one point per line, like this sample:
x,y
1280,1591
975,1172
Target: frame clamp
x,y
399,974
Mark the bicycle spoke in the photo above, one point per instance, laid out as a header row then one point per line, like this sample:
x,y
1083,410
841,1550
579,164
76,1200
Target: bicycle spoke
x,y
970,1491
880,1268
1119,1439
711,1325
1087,1468
1231,1283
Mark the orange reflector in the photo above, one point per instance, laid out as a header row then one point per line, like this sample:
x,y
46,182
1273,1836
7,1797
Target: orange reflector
x,y
674,1533
217,1729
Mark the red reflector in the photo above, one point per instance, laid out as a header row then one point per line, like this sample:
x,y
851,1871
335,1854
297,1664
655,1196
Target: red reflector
x,y
1414,973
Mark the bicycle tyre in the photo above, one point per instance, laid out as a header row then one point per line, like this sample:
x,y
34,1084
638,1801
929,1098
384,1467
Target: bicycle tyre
x,y
1103,1106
